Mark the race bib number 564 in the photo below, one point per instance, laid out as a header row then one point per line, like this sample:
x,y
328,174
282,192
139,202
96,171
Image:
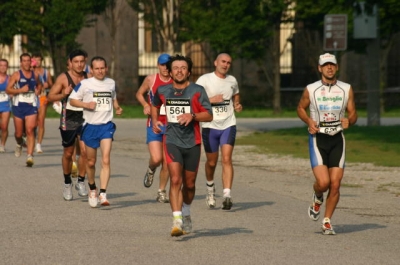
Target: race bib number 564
x,y
176,107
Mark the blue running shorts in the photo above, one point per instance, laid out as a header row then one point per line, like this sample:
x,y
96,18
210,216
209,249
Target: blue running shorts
x,y
93,134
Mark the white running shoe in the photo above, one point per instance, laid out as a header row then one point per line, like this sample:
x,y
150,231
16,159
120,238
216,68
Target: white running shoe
x,y
103,199
187,225
2,149
81,188
210,197
29,161
67,193
148,178
39,148
327,228
177,227
314,208
93,200
18,150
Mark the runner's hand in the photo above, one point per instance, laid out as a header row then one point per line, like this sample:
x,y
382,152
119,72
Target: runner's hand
x,y
156,127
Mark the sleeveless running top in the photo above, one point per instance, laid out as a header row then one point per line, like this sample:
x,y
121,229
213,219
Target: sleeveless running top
x,y
28,97
328,103
3,95
153,89
71,117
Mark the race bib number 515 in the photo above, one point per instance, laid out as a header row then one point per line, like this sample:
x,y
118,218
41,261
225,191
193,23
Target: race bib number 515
x,y
103,101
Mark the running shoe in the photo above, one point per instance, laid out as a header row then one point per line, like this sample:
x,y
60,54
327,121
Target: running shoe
x,y
2,150
210,198
327,228
74,170
29,161
227,203
177,227
81,188
39,148
162,196
93,200
103,199
18,150
67,193
186,225
148,178
314,208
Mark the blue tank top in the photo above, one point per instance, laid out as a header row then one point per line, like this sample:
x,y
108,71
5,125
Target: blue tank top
x,y
3,86
43,78
30,81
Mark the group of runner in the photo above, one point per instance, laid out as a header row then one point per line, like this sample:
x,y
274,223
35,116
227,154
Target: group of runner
x,y
181,116
175,107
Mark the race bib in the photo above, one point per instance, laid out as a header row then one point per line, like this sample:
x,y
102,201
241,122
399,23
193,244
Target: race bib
x,y
28,97
175,107
162,110
3,97
103,101
330,128
221,110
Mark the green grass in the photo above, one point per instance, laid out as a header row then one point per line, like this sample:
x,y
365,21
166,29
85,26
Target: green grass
x,y
379,145
135,111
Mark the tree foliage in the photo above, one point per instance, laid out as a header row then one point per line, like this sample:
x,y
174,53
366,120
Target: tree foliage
x,y
245,29
163,18
51,26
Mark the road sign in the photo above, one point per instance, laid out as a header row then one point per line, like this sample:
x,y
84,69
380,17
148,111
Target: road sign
x,y
335,32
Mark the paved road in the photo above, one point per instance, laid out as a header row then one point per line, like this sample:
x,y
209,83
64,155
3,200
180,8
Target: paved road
x,y
263,227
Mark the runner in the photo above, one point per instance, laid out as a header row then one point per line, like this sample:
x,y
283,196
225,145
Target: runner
x,y
71,121
328,100
155,141
223,92
97,97
24,87
5,108
46,81
186,105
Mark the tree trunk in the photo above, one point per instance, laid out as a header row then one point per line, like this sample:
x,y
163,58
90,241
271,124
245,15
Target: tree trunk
x,y
276,70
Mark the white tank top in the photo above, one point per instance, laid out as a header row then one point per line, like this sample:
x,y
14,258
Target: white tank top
x,y
328,105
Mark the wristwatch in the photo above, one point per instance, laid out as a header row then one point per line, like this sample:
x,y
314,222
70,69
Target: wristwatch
x,y
193,116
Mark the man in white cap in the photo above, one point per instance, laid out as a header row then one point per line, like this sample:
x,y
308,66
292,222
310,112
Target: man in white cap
x,y
332,109
155,141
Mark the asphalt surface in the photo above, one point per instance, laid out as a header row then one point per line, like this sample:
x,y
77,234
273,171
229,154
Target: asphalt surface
x,y
263,227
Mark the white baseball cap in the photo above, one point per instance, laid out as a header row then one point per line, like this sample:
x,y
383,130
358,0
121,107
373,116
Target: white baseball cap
x,y
327,58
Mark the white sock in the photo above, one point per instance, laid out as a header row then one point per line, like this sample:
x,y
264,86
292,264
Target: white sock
x,y
210,185
185,209
227,193
177,215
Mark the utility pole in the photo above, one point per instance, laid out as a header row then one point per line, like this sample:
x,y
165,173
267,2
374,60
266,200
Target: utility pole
x,y
366,27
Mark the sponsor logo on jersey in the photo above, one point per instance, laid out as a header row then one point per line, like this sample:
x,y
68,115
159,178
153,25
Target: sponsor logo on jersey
x,y
184,102
328,107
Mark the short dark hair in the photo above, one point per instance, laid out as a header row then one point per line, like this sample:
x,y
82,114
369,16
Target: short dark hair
x,y
98,58
4,60
25,54
179,57
77,52
37,55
